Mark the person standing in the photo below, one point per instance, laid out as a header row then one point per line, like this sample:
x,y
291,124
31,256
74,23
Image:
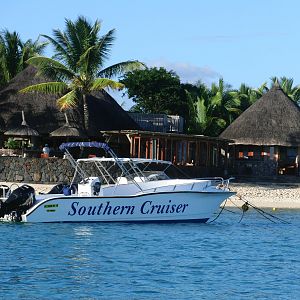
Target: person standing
x,y
46,150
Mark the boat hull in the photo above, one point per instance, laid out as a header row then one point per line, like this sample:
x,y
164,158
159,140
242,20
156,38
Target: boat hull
x,y
153,207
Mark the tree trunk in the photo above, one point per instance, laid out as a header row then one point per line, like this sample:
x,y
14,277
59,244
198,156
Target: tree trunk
x,y
85,113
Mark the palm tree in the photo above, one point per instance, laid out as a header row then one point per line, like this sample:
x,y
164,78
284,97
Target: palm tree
x,y
77,68
31,49
261,90
204,119
223,104
14,54
246,96
212,109
287,86
199,121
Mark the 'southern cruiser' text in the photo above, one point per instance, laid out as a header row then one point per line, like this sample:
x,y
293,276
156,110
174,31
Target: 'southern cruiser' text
x,y
107,209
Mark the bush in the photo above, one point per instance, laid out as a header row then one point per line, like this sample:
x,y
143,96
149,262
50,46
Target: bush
x,y
12,144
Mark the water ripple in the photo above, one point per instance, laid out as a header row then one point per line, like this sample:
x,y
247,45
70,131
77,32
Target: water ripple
x,y
226,259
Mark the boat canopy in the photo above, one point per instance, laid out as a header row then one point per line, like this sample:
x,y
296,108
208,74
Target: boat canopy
x,y
103,146
125,160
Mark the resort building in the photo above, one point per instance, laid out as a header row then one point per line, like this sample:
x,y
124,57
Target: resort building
x,y
50,125
266,137
197,154
158,122
35,120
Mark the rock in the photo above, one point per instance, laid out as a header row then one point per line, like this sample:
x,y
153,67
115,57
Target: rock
x,y
19,178
37,177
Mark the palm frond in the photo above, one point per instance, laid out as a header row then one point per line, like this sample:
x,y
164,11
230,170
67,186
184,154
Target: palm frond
x,y
51,67
120,68
11,53
102,83
77,37
68,100
86,60
60,45
46,88
104,45
201,112
235,110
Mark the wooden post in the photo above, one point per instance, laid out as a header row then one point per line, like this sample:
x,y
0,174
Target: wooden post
x,y
139,147
131,146
165,149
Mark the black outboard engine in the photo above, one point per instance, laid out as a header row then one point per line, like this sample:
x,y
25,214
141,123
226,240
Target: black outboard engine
x,y
18,201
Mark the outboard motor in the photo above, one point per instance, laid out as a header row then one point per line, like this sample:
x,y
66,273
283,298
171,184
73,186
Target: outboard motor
x,y
18,201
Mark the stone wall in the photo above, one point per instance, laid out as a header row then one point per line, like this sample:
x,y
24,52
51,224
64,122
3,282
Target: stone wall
x,y
35,170
256,168
58,170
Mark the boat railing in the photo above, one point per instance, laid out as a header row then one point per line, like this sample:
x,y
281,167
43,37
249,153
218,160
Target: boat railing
x,y
172,186
219,182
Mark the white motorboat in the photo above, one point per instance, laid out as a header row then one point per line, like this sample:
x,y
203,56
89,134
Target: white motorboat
x,y
124,190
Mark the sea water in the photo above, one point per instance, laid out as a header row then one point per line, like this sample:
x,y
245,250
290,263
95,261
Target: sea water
x,y
253,259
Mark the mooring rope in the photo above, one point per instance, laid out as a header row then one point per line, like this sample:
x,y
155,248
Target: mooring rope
x,y
245,207
265,214
222,208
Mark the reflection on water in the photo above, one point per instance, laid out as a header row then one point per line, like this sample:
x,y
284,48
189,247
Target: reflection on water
x,y
253,259
83,231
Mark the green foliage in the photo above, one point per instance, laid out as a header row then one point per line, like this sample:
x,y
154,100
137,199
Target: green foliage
x,y
77,68
211,109
156,90
12,144
287,86
14,53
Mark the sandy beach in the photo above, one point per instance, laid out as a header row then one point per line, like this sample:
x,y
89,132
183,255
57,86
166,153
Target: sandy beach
x,y
263,195
266,195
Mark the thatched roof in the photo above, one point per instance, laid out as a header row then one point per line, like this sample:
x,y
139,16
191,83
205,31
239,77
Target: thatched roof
x,y
22,130
68,131
272,120
42,113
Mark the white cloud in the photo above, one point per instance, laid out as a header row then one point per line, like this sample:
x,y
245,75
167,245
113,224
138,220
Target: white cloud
x,y
188,72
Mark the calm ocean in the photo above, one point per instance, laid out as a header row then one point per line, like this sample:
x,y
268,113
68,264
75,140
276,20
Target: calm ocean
x,y
254,259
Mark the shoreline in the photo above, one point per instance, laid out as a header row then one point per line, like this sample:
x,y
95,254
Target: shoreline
x,y
266,195
262,195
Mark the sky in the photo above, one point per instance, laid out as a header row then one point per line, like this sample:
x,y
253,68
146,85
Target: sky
x,y
241,41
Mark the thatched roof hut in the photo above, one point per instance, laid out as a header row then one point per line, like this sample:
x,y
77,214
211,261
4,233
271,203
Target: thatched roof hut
x,y
272,120
22,130
42,113
68,131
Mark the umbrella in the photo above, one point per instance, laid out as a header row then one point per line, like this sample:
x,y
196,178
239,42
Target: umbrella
x,y
68,131
23,130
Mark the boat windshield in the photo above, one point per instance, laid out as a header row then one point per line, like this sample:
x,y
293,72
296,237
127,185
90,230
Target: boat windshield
x,y
112,171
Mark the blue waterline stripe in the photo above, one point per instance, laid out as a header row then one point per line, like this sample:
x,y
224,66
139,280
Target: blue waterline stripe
x,y
136,221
